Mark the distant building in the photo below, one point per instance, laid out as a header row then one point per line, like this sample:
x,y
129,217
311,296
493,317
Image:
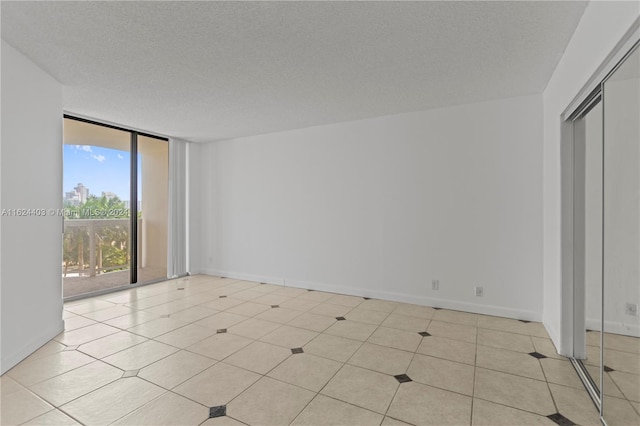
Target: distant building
x,y
109,195
83,193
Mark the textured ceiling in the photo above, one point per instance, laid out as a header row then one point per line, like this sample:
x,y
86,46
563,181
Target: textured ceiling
x,y
207,71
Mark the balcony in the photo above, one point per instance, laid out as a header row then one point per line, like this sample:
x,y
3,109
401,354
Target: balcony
x,y
96,255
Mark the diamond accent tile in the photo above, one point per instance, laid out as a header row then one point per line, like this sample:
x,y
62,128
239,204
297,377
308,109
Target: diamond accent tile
x,y
217,411
366,298
180,288
437,309
340,318
165,316
296,350
424,334
403,378
275,306
608,369
221,330
70,348
222,297
525,321
309,289
130,373
560,419
537,355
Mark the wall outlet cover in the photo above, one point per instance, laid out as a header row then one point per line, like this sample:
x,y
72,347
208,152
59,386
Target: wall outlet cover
x,y
631,309
435,285
479,291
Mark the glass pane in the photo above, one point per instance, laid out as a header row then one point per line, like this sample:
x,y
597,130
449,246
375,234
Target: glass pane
x,y
153,201
621,384
95,192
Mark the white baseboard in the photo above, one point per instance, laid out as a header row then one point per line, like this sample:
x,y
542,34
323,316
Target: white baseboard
x,y
614,327
17,355
477,308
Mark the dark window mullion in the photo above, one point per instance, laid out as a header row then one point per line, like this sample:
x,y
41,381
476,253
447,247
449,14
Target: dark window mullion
x,y
133,209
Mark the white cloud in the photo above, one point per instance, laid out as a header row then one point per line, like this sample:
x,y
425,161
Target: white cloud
x,y
120,156
100,158
85,148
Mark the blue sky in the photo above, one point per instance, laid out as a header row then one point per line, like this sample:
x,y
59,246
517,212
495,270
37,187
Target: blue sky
x,y
99,169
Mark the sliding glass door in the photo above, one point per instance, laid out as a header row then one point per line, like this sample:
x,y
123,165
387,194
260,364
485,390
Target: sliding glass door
x,y
115,207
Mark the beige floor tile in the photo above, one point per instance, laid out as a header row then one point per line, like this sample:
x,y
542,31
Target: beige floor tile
x,y
512,362
186,336
487,413
271,299
610,388
8,385
389,421
222,421
66,314
465,333
454,350
418,311
193,314
312,322
331,412
290,291
109,313
441,373
259,357
333,347
379,305
280,315
368,316
457,317
514,391
289,337
405,322
111,344
622,361
269,402
316,296
503,324
560,372
157,327
504,340
170,410
299,304
394,338
175,369
628,383
351,330
30,372
619,412
52,418
267,288
112,401
217,385
85,334
89,305
593,356
419,404
575,404
249,294
131,320
364,388
222,304
254,328
21,406
345,300
381,359
248,309
220,346
221,320
76,322
49,348
170,307
75,383
537,329
331,310
546,347
140,356
636,405
622,343
306,370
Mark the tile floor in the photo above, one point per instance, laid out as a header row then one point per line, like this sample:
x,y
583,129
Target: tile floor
x,y
215,351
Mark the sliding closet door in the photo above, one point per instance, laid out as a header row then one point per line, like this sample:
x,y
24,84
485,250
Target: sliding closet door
x,y
621,248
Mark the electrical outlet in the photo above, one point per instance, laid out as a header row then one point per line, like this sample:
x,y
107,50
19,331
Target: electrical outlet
x,y
435,285
631,309
479,291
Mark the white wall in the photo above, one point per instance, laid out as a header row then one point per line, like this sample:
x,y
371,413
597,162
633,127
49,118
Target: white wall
x,y
31,170
380,207
600,29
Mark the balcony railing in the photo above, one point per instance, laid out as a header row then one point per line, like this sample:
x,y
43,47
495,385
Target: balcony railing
x,y
97,231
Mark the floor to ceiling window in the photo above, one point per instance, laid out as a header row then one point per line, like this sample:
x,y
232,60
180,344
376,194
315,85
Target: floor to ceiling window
x,y
115,192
